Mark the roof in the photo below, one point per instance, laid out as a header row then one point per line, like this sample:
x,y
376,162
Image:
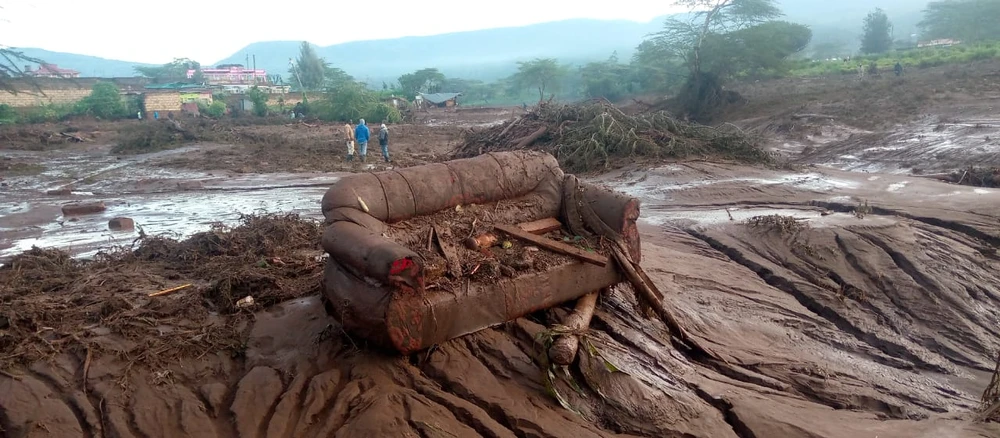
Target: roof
x,y
52,69
173,86
436,98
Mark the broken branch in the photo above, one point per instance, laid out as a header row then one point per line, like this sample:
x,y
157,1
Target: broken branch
x,y
169,291
564,348
554,246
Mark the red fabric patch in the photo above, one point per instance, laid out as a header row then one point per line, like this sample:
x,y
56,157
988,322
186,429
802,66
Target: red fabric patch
x,y
400,265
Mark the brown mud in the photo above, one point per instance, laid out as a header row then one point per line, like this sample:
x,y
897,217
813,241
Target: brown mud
x,y
871,312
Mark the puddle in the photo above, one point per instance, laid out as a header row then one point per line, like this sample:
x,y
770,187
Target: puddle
x,y
176,214
656,216
895,187
161,201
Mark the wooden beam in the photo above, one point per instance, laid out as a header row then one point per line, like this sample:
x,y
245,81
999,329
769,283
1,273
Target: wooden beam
x,y
486,240
554,246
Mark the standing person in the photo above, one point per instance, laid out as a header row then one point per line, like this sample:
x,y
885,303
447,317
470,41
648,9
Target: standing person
x,y
361,134
898,68
383,140
349,132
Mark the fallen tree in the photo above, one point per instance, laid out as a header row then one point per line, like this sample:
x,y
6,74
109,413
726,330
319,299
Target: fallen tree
x,y
596,135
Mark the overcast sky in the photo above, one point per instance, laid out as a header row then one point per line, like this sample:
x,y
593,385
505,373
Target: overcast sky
x,y
210,30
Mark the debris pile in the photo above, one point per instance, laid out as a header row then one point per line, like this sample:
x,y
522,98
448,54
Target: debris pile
x,y
991,397
976,176
159,299
596,135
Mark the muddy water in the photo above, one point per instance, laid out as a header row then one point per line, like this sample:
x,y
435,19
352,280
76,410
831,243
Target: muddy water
x,y
159,200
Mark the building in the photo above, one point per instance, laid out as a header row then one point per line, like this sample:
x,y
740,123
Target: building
x,y
939,43
163,100
231,74
440,100
50,71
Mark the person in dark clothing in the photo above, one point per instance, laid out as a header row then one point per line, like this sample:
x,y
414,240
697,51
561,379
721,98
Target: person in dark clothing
x,y
383,140
899,69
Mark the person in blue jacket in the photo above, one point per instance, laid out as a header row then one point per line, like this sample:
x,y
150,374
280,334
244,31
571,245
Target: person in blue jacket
x,y
361,135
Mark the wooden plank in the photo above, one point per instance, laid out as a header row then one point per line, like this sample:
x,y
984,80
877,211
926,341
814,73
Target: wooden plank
x,y
554,246
541,226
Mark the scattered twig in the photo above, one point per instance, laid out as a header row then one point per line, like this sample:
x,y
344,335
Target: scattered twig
x,y
169,291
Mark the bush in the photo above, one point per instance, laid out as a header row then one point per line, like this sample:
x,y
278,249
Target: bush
x,y
47,113
104,102
8,115
154,136
216,110
352,102
259,99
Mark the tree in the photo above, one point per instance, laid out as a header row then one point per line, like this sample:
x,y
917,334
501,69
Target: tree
x,y
334,77
968,21
427,80
877,33
654,69
608,79
309,70
352,101
173,71
542,74
724,38
104,102
259,99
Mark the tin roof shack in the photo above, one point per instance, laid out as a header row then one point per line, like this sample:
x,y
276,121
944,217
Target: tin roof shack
x,y
440,100
395,101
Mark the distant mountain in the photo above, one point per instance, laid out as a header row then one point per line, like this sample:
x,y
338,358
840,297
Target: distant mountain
x,y
492,53
88,66
483,54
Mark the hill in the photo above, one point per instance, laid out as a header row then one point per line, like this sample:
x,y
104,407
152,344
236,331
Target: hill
x,y
492,53
483,54
88,66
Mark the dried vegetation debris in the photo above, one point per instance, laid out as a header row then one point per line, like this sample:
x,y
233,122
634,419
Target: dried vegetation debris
x,y
991,397
51,303
596,135
976,176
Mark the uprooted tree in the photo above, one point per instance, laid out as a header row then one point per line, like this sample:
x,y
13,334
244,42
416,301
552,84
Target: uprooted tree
x,y
722,40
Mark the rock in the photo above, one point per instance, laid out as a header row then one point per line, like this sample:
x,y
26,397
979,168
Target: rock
x,y
121,224
60,192
83,208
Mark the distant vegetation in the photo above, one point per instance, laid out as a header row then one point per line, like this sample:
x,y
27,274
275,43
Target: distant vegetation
x,y
692,57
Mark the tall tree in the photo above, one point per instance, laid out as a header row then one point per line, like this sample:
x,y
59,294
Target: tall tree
x,y
877,32
608,79
724,38
969,21
173,71
542,74
428,80
308,70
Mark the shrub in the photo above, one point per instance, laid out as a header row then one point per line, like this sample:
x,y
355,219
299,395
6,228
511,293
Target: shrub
x,y
215,110
259,99
47,113
104,102
8,115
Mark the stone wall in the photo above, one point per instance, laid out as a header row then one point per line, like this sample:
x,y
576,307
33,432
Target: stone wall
x,y
44,91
